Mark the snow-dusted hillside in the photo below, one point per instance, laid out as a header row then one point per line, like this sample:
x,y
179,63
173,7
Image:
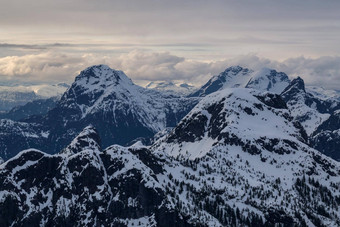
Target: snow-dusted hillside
x,y
237,159
237,76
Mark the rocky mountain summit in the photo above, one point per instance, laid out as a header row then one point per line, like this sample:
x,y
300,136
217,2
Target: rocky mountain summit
x,y
107,99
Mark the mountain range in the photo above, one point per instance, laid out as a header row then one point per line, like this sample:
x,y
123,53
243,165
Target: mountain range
x,y
106,98
170,86
248,148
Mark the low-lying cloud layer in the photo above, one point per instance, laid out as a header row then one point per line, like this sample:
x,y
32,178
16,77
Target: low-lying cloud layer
x,y
52,67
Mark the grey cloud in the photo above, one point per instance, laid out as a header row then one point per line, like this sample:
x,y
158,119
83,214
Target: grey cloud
x,y
275,26
34,47
23,46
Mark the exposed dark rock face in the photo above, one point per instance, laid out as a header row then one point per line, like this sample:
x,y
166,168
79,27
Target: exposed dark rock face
x,y
326,138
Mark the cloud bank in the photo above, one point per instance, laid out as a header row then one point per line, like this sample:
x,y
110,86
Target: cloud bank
x,y
52,67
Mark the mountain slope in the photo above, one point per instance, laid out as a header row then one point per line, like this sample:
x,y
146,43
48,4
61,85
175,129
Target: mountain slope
x,y
85,186
236,76
257,118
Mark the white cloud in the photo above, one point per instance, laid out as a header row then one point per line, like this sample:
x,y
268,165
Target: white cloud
x,y
51,67
39,67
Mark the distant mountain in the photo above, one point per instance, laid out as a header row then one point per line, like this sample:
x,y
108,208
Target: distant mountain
x,y
237,159
36,107
169,86
108,100
237,76
13,96
10,99
324,94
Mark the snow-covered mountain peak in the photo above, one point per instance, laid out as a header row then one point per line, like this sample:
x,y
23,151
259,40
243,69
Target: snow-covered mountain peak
x,y
99,77
119,109
235,70
88,139
97,87
268,80
264,79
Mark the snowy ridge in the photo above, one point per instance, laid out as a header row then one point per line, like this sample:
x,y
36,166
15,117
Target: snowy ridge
x,y
242,113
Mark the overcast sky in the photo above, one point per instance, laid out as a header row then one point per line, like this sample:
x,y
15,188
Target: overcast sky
x,y
51,41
